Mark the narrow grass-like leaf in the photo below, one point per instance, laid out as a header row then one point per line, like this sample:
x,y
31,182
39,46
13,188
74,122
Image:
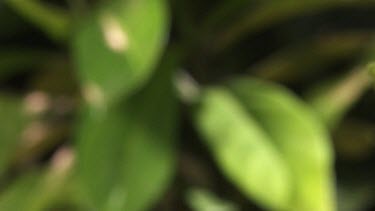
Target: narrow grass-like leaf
x,y
53,21
275,11
301,61
332,99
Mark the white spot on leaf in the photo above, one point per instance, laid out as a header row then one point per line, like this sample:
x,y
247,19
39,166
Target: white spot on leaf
x,y
115,36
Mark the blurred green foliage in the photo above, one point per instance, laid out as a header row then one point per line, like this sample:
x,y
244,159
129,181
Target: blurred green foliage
x,y
203,200
113,105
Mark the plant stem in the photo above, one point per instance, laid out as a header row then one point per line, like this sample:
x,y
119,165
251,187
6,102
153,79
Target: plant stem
x,y
333,100
52,21
188,89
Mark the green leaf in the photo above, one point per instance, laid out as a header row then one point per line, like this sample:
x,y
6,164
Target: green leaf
x,y
264,125
126,154
117,49
299,136
243,150
12,123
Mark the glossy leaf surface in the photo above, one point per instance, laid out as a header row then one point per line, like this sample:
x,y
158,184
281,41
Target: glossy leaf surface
x,y
298,135
280,125
242,149
116,49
